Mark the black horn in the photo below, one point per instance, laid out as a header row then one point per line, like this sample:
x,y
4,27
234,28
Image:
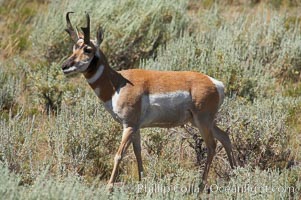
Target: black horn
x,y
86,30
70,30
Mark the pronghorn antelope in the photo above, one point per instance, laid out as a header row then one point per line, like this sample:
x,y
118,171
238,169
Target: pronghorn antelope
x,y
139,98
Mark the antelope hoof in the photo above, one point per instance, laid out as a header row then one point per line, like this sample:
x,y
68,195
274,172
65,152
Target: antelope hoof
x,y
110,187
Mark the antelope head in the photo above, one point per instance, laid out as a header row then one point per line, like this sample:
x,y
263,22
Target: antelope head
x,y
84,49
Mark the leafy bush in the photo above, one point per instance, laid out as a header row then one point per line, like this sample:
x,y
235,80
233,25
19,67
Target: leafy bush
x,y
133,29
258,184
244,183
9,90
246,53
17,144
75,142
47,85
85,143
260,134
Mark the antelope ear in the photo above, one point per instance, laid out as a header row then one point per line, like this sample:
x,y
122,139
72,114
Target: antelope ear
x,y
99,36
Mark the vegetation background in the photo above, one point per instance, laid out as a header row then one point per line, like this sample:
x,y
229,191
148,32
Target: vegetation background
x,y
57,141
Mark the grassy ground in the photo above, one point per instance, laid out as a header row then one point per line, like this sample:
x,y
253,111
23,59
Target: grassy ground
x,y
58,142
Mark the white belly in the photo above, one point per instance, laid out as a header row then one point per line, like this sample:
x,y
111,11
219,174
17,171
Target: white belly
x,y
166,110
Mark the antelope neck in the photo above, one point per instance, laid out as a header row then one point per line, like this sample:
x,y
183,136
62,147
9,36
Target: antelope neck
x,y
103,79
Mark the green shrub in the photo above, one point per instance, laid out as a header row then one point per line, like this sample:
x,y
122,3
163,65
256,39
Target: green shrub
x,y
17,144
83,139
257,184
247,54
9,183
259,130
47,84
134,29
9,90
244,183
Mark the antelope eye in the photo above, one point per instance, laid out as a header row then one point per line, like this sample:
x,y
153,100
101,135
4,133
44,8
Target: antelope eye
x,y
87,50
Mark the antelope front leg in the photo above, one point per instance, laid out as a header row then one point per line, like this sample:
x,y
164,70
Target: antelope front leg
x,y
125,142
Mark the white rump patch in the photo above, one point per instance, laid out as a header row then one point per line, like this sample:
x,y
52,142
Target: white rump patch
x,y
220,89
97,74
